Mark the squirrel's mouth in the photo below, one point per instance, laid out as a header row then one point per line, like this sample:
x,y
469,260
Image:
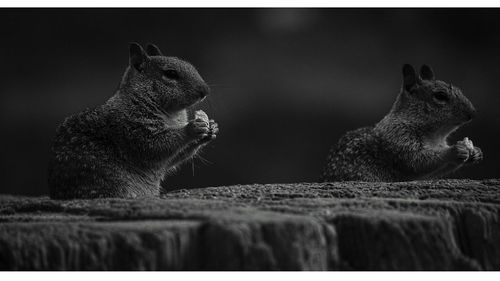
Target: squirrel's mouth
x,y
445,132
462,122
196,102
201,100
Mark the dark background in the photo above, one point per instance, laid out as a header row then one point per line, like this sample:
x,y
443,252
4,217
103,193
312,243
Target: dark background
x,y
286,83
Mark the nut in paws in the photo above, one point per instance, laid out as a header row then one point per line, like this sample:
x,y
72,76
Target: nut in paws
x,y
476,155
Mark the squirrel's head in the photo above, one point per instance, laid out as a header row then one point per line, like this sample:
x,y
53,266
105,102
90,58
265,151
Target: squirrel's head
x,y
171,83
429,100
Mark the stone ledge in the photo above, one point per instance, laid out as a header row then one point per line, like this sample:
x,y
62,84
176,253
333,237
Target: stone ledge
x,y
428,225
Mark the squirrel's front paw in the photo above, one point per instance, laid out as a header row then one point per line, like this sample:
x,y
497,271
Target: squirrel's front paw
x,y
198,129
202,129
213,130
476,155
461,152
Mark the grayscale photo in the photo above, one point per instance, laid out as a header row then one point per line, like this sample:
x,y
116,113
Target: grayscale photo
x,y
250,139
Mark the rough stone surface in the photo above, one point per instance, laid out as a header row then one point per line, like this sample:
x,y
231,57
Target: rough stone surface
x,y
428,225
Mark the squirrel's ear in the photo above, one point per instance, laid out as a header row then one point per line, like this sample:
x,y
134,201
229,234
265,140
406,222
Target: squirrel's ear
x,y
137,56
410,77
426,72
153,50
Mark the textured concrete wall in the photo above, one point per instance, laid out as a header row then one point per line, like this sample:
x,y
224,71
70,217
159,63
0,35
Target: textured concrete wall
x,y
448,224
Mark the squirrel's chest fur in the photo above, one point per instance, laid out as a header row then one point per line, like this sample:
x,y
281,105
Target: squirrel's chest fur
x,y
175,120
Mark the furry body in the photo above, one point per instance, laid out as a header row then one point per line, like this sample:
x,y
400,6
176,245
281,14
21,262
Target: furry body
x,y
125,147
410,142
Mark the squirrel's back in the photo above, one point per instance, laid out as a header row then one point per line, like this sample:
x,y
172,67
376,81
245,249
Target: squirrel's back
x,y
359,155
84,155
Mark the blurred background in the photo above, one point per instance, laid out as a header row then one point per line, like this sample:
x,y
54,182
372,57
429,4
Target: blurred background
x,y
286,83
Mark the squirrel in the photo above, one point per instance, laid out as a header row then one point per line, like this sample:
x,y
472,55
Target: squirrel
x,y
410,142
127,146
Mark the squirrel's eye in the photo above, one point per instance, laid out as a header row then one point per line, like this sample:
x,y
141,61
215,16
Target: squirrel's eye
x,y
171,74
441,96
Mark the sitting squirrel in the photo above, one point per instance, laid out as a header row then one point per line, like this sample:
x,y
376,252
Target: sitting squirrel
x,y
409,143
125,147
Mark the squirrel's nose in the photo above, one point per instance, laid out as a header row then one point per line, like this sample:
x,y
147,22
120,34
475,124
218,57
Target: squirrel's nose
x,y
203,90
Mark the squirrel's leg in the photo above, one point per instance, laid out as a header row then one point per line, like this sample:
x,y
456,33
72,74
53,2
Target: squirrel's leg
x,y
446,169
451,159
170,141
458,157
